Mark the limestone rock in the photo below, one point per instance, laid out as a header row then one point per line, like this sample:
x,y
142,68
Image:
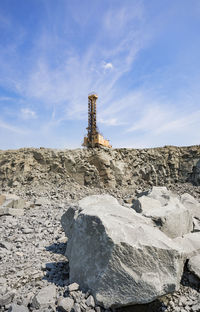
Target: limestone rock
x,y
65,304
90,301
118,254
4,211
7,298
194,265
192,204
42,201
73,287
13,201
190,244
17,308
101,167
166,210
45,297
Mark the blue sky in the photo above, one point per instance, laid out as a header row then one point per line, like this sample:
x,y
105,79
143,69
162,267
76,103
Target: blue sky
x,y
142,58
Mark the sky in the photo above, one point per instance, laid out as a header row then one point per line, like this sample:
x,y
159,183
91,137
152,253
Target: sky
x,y
142,58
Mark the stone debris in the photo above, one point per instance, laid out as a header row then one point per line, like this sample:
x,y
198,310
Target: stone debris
x,y
36,188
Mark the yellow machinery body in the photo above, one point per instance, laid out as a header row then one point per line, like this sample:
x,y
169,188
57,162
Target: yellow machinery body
x,y
94,138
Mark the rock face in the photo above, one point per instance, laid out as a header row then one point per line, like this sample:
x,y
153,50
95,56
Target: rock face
x,y
100,167
118,254
166,210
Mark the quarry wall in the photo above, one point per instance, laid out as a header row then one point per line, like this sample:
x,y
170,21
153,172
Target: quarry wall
x,y
101,167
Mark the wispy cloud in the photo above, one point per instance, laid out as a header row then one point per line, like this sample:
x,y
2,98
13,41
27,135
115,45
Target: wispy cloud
x,y
11,128
27,113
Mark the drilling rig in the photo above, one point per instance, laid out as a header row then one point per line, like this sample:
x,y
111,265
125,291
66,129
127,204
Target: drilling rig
x,y
93,138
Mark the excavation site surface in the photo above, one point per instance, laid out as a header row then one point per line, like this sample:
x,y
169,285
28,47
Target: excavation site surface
x,y
100,229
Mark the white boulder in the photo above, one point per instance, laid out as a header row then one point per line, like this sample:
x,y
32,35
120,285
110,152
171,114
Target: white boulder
x,y
118,255
192,204
190,244
166,210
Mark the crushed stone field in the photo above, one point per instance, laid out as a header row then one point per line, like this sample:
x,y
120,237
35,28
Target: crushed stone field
x,y
38,186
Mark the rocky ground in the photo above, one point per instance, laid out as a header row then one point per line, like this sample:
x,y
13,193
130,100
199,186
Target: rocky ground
x,y
32,257
32,245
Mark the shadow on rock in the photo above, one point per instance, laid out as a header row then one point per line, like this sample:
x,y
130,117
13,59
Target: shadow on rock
x,y
154,306
57,273
189,279
57,248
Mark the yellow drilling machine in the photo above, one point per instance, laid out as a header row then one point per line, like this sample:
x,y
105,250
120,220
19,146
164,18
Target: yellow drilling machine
x,y
93,138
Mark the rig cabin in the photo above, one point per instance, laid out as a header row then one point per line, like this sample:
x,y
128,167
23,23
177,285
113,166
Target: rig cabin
x,y
93,138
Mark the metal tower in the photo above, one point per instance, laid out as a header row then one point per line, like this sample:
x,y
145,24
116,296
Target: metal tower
x,y
94,138
92,118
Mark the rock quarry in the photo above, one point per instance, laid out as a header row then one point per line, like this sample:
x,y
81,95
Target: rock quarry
x,y
100,229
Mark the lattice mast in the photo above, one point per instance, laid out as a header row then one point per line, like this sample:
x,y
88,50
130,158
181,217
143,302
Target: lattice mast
x,y
94,138
92,119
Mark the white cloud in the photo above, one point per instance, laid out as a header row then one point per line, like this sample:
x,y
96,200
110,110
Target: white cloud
x,y
27,113
107,66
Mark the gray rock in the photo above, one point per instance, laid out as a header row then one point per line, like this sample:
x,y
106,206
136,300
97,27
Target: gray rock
x,y
118,255
2,199
90,301
7,298
17,308
77,307
42,201
45,297
73,287
192,204
194,265
4,211
65,304
166,210
27,231
190,244
195,308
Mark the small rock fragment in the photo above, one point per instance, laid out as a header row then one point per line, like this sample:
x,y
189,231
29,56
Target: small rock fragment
x,y
73,287
77,307
65,304
90,301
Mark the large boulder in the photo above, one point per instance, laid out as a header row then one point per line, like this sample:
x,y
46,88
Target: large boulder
x,y
117,254
190,244
192,204
166,210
